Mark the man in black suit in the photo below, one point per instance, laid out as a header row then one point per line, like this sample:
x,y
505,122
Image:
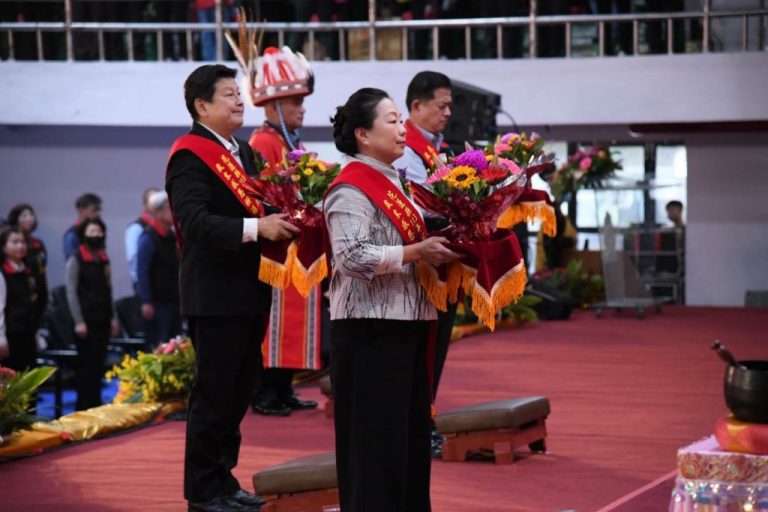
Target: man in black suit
x,y
226,305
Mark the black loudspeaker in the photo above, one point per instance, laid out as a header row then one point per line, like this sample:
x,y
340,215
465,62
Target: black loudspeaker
x,y
473,117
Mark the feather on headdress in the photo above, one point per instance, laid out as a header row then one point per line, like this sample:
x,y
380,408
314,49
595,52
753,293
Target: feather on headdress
x,y
278,73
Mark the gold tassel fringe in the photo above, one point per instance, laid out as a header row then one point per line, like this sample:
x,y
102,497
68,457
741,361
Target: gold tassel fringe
x,y
276,274
436,291
508,289
527,212
304,279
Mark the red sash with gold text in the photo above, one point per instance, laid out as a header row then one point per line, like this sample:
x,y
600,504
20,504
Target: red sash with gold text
x,y
224,166
384,194
415,140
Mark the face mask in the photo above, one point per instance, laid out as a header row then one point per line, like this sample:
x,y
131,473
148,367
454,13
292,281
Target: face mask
x,y
94,242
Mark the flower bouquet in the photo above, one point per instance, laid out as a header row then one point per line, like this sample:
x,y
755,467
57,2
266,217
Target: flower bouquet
x,y
163,375
528,153
296,186
587,168
472,192
16,392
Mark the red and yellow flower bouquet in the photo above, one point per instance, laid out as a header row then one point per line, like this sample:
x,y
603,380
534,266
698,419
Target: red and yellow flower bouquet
x,y
472,192
296,187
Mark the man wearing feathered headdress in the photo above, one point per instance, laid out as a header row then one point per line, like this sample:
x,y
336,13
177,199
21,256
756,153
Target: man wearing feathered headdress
x,y
278,81
282,81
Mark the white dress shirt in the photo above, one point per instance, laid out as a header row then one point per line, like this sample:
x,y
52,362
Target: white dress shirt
x,y
250,224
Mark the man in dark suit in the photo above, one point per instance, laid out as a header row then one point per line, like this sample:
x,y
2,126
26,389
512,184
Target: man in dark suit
x,y
226,305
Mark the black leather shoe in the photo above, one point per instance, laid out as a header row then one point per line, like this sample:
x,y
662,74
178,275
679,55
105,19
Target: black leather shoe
x,y
437,445
437,451
221,504
247,498
295,404
271,408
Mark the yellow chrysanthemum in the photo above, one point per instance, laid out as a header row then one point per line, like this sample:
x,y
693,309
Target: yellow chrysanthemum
x,y
296,177
322,166
461,177
308,171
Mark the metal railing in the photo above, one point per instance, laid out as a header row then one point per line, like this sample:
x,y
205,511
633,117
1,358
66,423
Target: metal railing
x,y
372,29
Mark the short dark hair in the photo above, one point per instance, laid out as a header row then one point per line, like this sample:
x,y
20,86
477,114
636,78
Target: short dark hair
x,y
5,234
16,211
201,83
424,85
358,112
87,199
87,222
675,203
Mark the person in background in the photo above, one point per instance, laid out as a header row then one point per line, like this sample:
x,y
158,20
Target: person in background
x,y
656,31
86,44
19,320
429,100
552,252
551,38
174,43
23,216
618,36
89,296
158,274
290,345
206,13
88,206
380,315
135,11
672,243
132,234
675,213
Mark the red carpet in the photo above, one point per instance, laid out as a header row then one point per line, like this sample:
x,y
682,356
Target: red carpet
x,y
625,394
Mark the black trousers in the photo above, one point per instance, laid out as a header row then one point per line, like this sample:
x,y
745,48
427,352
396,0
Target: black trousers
x,y
228,365
164,325
276,384
23,350
91,355
444,330
382,420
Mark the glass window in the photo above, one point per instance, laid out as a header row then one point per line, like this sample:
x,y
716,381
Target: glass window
x,y
624,206
671,180
621,197
633,163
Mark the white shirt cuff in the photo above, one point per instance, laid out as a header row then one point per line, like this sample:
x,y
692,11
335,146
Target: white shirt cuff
x,y
391,260
250,229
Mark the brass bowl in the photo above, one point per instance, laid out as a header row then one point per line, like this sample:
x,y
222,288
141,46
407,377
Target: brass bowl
x,y
746,391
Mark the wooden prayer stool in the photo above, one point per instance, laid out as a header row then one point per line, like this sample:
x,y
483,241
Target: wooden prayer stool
x,y
327,391
495,428
306,484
